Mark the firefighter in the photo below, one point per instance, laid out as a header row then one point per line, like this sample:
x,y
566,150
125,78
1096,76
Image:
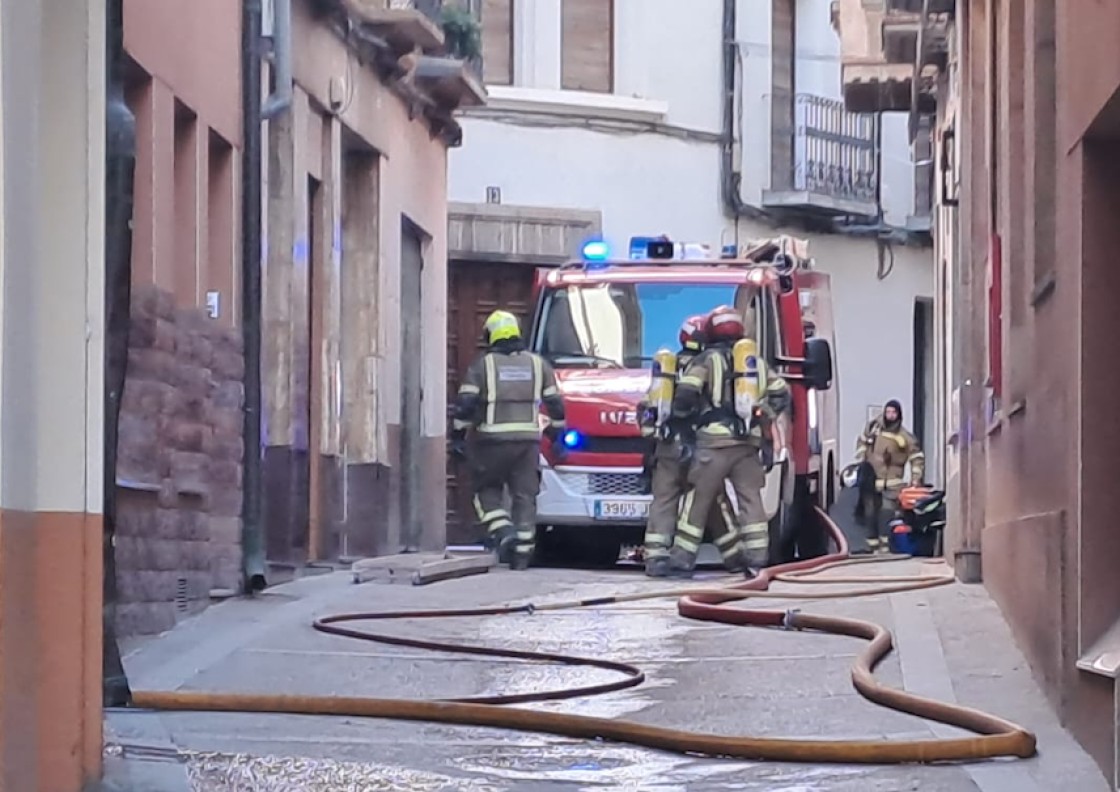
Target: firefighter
x,y
883,451
666,466
730,395
500,398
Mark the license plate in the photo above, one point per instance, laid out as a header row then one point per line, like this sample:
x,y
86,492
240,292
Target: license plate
x,y
621,510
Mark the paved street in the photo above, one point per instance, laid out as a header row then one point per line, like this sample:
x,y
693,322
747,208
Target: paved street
x,y
951,643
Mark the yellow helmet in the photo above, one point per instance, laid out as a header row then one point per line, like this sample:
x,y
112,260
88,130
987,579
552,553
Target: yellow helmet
x,y
501,326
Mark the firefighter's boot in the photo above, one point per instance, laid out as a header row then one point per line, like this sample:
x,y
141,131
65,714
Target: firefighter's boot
x,y
658,567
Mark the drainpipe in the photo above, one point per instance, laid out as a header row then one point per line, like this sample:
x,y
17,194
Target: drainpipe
x,y
281,97
120,162
252,530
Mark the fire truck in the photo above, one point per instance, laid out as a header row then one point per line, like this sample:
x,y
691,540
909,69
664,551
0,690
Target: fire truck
x,y
601,319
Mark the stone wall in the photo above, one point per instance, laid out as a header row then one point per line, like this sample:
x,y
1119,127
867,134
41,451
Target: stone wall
x,y
179,473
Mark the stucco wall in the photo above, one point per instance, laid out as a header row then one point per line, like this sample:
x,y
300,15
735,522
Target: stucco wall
x,y
194,48
52,243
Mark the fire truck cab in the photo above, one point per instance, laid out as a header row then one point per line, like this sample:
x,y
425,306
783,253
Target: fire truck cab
x,y
601,319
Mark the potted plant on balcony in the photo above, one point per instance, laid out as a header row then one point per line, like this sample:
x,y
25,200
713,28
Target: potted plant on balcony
x,y
461,32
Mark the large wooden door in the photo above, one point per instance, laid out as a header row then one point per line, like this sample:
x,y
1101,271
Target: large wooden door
x,y
474,290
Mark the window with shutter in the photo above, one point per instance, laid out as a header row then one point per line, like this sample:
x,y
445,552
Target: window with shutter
x,y
588,45
497,42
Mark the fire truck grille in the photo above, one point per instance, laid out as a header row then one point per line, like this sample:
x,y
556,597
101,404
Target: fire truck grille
x,y
615,484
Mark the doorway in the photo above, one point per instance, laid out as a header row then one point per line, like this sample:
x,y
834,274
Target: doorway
x,y
922,416
474,290
412,392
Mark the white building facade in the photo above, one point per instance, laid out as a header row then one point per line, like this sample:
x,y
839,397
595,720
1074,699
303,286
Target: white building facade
x,y
610,116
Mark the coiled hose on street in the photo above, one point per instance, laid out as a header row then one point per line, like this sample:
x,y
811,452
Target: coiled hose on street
x,y
995,736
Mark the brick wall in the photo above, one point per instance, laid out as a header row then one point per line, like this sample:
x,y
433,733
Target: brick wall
x,y
179,464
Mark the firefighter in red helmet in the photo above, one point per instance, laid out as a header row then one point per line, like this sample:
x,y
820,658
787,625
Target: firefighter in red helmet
x,y
667,465
729,444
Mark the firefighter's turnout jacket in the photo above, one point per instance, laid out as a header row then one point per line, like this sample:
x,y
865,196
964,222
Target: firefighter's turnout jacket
x,y
500,398
889,449
727,447
668,485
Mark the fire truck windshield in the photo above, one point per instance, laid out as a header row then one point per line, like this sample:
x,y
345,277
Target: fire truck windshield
x,y
622,325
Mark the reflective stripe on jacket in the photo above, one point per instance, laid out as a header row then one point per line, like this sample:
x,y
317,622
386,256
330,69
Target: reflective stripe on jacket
x,y
501,394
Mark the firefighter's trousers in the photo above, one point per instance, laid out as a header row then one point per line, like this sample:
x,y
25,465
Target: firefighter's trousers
x,y
669,484
740,465
879,508
496,465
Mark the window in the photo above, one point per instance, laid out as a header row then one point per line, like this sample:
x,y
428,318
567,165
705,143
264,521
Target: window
x,y
587,45
622,325
497,42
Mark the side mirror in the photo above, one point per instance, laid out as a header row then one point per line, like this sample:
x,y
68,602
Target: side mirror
x,y
818,364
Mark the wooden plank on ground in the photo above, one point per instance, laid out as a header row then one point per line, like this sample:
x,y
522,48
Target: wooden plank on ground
x,y
449,568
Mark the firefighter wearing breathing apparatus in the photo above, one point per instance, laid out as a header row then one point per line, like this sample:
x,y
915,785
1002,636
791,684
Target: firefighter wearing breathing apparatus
x,y
887,447
731,397
667,465
499,398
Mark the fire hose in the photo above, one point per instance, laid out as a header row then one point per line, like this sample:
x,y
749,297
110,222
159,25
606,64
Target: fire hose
x,y
994,736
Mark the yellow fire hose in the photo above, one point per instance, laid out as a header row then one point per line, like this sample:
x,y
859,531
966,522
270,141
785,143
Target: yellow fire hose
x,y
995,736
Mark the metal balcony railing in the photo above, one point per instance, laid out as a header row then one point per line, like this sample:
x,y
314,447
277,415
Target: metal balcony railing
x,y
834,150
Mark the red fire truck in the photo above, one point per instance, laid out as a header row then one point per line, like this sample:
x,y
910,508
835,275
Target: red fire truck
x,y
601,319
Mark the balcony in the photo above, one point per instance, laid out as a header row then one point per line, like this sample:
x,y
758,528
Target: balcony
x,y
887,61
833,165
436,44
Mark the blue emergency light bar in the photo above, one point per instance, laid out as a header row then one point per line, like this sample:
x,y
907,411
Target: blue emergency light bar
x,y
596,250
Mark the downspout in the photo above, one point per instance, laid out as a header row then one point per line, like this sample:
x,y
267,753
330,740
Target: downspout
x,y
281,97
120,163
252,530
731,178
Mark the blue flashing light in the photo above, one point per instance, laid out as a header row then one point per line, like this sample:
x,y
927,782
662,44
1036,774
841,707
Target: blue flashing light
x,y
596,250
572,439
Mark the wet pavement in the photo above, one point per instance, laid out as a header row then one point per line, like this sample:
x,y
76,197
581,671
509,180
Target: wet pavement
x,y
951,643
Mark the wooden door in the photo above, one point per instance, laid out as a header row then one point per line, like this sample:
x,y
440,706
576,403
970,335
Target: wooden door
x,y
474,290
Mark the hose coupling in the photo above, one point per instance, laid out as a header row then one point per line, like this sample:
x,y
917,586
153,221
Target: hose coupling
x,y
787,619
530,609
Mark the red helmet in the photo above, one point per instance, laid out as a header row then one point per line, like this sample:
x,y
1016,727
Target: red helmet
x,y
724,324
692,332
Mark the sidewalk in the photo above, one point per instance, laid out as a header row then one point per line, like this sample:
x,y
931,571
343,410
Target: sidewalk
x,y
951,643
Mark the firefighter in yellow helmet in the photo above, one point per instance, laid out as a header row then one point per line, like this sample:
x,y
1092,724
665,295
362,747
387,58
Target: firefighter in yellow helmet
x,y
500,398
729,437
666,467
888,448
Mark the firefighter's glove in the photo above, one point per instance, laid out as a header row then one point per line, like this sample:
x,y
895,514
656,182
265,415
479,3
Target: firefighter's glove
x,y
766,456
458,446
556,440
880,485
